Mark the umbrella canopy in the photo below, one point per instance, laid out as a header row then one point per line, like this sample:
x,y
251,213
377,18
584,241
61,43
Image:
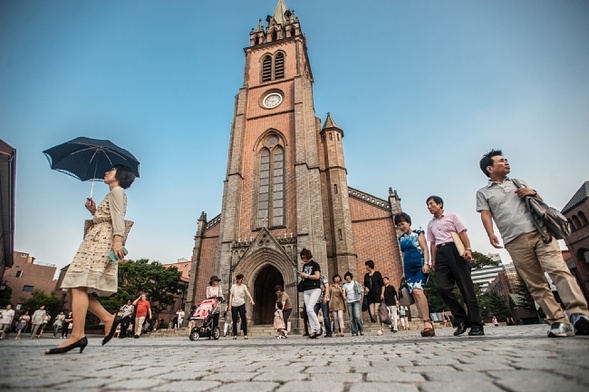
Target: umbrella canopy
x,y
88,159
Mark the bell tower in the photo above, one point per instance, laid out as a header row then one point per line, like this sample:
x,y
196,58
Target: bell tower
x,y
272,188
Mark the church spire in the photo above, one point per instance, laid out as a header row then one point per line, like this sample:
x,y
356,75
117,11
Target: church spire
x,y
279,12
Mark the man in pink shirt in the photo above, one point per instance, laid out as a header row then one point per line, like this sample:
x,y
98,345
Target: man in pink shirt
x,y
453,268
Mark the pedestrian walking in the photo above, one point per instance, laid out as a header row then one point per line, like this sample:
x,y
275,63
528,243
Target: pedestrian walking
x,y
353,296
502,200
416,267
392,302
58,324
279,324
237,297
453,268
6,317
37,320
337,305
93,270
286,304
142,310
311,276
374,291
215,291
127,317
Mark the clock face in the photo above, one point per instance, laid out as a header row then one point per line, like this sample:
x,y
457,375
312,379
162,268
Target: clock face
x,y
272,100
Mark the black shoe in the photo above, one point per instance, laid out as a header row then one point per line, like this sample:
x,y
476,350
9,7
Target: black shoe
x,y
113,329
476,331
328,336
136,336
460,329
313,335
82,343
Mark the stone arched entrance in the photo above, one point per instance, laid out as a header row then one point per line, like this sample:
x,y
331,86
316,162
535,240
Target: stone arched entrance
x,y
264,295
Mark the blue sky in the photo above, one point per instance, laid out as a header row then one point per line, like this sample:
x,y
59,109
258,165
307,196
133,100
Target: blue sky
x,y
421,89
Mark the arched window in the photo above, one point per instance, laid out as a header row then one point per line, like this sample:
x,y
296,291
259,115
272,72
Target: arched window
x,y
576,222
279,66
271,193
573,228
583,218
273,67
267,68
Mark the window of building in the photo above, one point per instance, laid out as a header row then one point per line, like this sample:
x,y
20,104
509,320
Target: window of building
x,y
340,234
271,191
19,274
576,222
583,218
28,289
279,66
267,68
334,188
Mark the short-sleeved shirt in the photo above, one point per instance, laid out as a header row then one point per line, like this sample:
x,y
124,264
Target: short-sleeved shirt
x,y
439,229
309,269
141,307
390,295
323,281
509,211
7,316
350,289
238,291
285,299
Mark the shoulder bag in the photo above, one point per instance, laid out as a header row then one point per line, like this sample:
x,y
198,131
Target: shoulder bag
x,y
555,224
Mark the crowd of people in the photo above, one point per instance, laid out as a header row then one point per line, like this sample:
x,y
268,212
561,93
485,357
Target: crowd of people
x,y
501,204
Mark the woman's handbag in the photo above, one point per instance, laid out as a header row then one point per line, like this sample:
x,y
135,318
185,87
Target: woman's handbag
x,y
383,313
300,286
405,297
88,223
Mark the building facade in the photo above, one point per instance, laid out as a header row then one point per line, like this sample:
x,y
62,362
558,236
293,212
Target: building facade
x,y
487,273
25,276
577,213
286,184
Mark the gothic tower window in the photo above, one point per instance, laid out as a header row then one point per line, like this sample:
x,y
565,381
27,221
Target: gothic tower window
x,y
273,67
279,66
576,221
267,68
271,190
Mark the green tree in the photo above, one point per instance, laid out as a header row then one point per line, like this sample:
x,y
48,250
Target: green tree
x,y
5,295
480,260
492,304
53,305
159,283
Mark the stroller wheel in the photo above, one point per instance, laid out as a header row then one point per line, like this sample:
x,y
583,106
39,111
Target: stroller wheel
x,y
216,333
194,335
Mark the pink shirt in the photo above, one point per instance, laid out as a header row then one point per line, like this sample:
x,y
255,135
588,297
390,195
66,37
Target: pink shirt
x,y
438,229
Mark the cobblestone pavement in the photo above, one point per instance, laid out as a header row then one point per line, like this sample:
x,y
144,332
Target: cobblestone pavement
x,y
512,358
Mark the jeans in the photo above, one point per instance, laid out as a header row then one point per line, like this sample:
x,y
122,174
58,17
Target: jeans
x,y
311,297
55,329
393,313
234,311
355,313
325,311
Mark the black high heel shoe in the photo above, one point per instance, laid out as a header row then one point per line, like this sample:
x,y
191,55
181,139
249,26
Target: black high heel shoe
x,y
113,329
82,343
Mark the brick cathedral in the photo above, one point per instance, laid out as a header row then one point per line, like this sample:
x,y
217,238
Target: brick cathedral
x,y
286,185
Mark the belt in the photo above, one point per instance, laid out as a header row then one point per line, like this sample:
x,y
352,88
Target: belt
x,y
444,244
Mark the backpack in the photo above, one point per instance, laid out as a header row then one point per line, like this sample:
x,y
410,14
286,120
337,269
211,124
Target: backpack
x,y
556,224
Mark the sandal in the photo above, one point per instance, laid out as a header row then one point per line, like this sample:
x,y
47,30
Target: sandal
x,y
428,332
235,337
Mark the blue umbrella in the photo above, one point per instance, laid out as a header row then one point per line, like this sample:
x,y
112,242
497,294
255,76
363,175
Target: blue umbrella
x,y
88,159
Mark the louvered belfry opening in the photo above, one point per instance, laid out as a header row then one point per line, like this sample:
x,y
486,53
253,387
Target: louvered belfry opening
x,y
279,66
267,69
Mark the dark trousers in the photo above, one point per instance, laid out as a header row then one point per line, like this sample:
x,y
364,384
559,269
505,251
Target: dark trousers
x,y
285,316
234,311
125,326
452,269
326,319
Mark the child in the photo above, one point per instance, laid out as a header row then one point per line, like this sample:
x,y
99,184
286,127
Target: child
x,y
279,321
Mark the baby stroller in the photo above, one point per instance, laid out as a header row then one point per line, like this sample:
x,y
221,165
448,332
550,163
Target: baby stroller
x,y
203,317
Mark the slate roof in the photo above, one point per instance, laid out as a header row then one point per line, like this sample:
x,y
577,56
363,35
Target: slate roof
x,y
581,195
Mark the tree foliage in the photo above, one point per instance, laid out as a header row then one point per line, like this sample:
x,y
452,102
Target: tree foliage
x,y
53,305
480,260
159,283
5,296
492,304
